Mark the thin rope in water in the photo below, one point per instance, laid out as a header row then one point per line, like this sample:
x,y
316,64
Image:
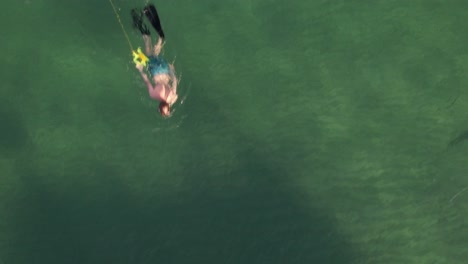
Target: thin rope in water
x,y
121,25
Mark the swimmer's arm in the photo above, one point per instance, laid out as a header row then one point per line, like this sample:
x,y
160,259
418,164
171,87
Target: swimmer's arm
x,y
172,98
173,93
173,78
174,84
151,89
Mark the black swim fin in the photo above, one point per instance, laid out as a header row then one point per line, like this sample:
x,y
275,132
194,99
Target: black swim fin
x,y
137,17
152,15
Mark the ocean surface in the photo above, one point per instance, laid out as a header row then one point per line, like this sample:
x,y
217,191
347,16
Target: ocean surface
x,y
306,132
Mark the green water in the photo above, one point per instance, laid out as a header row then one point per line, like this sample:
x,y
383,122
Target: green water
x,y
311,132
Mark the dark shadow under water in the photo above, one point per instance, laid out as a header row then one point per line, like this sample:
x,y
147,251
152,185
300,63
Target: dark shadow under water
x,y
459,139
98,220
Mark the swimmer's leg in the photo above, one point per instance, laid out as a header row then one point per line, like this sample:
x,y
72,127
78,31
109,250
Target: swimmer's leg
x,y
137,17
152,15
158,47
147,40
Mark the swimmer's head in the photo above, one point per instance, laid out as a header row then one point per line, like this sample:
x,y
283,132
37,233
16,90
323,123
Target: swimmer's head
x,y
164,109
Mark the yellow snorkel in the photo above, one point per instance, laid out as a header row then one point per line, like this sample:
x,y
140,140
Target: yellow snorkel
x,y
139,58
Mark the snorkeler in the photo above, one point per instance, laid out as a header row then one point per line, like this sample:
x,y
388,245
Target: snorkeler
x,y
161,73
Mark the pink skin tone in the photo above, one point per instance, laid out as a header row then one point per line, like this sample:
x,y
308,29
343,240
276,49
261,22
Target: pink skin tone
x,y
165,85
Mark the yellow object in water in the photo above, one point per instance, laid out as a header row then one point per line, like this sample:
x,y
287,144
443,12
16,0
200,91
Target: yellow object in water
x,y
139,57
